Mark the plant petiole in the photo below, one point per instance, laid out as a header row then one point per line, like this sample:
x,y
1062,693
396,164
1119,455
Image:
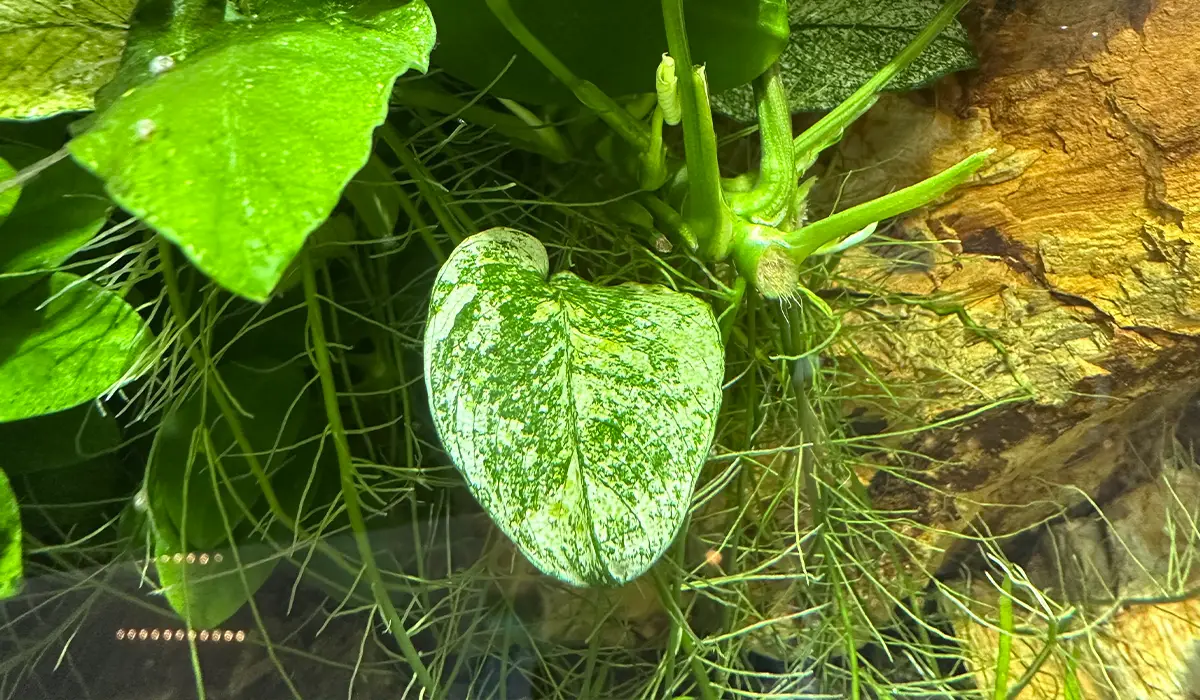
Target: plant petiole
x,y
621,121
811,238
705,210
768,200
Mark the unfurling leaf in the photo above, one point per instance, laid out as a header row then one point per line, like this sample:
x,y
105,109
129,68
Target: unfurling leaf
x,y
580,415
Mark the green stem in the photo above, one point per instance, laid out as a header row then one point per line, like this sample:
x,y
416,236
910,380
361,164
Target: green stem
x,y
537,137
767,201
455,226
613,114
707,214
1004,645
807,240
828,130
346,473
667,594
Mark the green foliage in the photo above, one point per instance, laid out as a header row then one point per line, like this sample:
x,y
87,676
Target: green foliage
x,y
241,150
208,591
55,55
273,407
63,342
58,212
580,415
837,45
614,44
10,540
8,198
57,440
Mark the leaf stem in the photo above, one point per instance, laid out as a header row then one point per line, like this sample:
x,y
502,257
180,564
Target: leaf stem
x,y
706,211
808,239
455,228
828,130
621,121
767,202
346,471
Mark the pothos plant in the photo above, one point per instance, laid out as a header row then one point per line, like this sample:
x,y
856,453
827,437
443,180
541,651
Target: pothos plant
x,y
579,414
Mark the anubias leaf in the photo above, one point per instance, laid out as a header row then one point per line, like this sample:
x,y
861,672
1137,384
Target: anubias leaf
x,y
240,150
57,213
206,587
10,541
580,415
55,55
273,410
58,440
837,45
64,342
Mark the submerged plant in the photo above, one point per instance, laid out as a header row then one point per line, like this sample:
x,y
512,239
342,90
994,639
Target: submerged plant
x,y
610,327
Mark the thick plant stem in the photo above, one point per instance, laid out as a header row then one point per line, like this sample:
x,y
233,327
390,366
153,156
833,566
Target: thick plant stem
x,y
767,202
828,130
622,122
809,239
341,445
706,211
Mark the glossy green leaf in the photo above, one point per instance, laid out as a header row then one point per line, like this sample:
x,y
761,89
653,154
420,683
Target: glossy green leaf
x,y
58,212
206,592
64,342
580,415
272,411
55,55
616,44
837,45
8,198
57,440
10,541
239,151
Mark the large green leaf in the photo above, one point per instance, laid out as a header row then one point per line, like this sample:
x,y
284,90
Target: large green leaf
x,y
837,45
64,342
54,55
239,151
10,541
272,411
57,213
616,44
58,440
580,415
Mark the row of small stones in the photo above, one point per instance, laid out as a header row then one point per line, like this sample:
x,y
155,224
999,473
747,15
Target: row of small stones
x,y
179,635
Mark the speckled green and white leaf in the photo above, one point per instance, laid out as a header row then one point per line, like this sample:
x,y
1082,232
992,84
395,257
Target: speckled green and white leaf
x,y
10,540
579,414
837,45
55,55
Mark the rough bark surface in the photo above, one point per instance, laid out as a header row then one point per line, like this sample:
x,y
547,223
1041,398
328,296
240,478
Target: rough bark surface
x,y
1067,269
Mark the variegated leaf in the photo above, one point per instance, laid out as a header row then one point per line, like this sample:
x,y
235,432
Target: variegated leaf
x,y
580,415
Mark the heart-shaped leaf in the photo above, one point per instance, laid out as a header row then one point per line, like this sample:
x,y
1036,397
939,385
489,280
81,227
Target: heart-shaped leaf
x,y
55,55
580,415
57,213
239,151
837,45
10,541
63,342
272,412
